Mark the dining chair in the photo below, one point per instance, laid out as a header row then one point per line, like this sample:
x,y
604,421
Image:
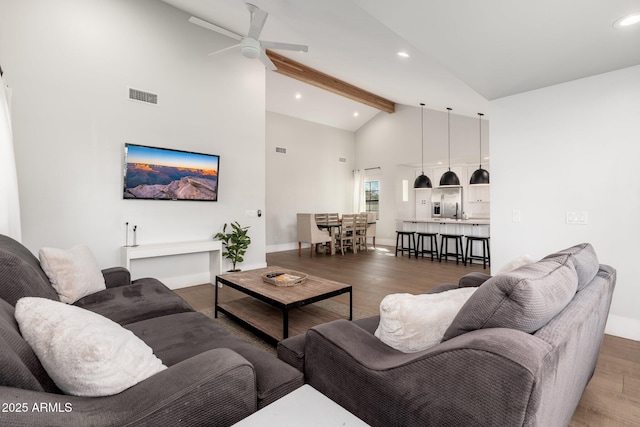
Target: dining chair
x,y
346,236
333,218
308,232
333,224
361,231
322,219
371,226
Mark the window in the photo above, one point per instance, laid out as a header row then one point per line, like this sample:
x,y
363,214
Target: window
x,y
371,197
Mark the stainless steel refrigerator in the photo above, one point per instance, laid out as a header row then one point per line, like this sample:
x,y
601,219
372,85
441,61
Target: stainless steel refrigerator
x,y
446,202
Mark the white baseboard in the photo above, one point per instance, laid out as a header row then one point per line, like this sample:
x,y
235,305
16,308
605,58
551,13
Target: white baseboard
x,y
623,327
178,282
246,267
285,247
385,242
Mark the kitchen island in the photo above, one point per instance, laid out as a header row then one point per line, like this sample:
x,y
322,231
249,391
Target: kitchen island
x,y
474,227
477,227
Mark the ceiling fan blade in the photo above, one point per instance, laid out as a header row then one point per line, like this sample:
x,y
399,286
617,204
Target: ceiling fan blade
x,y
258,18
284,46
225,49
213,27
269,65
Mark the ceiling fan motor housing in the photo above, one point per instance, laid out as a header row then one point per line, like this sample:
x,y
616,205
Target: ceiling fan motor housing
x,y
250,48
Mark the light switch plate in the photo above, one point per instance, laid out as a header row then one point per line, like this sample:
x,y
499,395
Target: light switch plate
x,y
577,217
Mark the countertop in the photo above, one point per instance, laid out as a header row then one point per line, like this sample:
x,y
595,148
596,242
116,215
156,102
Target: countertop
x,y
478,221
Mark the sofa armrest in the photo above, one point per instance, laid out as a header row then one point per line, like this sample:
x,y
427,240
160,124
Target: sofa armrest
x,y
291,350
116,276
484,377
216,387
473,279
442,288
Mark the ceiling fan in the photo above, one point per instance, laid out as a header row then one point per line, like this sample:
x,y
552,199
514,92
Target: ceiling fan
x,y
250,45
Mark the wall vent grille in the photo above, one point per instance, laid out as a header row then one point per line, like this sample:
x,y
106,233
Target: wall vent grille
x,y
142,96
281,150
343,160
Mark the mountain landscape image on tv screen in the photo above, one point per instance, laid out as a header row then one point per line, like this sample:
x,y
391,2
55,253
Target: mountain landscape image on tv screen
x,y
163,174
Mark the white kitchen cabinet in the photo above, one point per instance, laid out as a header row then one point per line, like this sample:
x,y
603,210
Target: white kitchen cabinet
x,y
478,193
423,203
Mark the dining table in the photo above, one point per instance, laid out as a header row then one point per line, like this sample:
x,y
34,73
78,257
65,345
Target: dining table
x,y
334,230
334,225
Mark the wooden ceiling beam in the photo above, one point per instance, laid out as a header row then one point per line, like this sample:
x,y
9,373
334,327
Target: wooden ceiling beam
x,y
298,71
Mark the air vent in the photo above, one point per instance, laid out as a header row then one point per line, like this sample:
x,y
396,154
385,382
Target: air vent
x,y
281,150
343,160
142,96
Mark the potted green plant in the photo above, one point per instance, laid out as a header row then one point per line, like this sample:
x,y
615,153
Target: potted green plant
x,y
236,242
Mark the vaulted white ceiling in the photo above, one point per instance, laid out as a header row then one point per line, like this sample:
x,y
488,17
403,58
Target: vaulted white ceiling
x,y
463,53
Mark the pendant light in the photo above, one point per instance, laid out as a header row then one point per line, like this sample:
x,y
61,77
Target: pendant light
x,y
449,178
480,176
422,181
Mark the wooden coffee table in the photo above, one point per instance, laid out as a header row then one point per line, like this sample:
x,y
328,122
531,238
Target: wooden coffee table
x,y
269,310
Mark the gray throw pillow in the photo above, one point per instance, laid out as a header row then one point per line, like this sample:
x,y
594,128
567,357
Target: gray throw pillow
x,y
585,261
524,299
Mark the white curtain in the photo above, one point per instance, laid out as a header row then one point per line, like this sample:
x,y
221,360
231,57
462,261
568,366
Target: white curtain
x,y
359,204
9,201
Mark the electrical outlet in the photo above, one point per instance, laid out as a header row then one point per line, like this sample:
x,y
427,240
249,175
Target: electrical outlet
x,y
577,217
516,215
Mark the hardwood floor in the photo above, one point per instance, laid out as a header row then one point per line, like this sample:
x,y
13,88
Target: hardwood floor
x,y
612,398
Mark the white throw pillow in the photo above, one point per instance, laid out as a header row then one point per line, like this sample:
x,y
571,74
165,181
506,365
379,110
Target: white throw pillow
x,y
515,264
412,323
84,353
74,273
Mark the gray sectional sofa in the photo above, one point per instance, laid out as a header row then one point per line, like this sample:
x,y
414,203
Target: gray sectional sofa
x,y
213,378
520,352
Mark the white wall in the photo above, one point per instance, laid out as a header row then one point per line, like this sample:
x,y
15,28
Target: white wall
x,y
393,142
308,178
69,64
572,147
9,197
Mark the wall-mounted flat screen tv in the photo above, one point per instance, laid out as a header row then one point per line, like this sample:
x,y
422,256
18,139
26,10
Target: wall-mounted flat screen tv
x,y
165,174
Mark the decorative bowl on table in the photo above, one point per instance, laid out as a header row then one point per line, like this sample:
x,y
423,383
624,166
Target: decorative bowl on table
x,y
284,277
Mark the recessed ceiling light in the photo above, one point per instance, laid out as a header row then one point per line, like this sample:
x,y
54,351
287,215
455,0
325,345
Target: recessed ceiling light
x,y
356,114
404,54
298,96
627,21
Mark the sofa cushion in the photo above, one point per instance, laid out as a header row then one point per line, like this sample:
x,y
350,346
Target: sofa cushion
x,y
73,273
524,299
584,259
21,275
143,299
86,354
180,336
20,365
411,323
